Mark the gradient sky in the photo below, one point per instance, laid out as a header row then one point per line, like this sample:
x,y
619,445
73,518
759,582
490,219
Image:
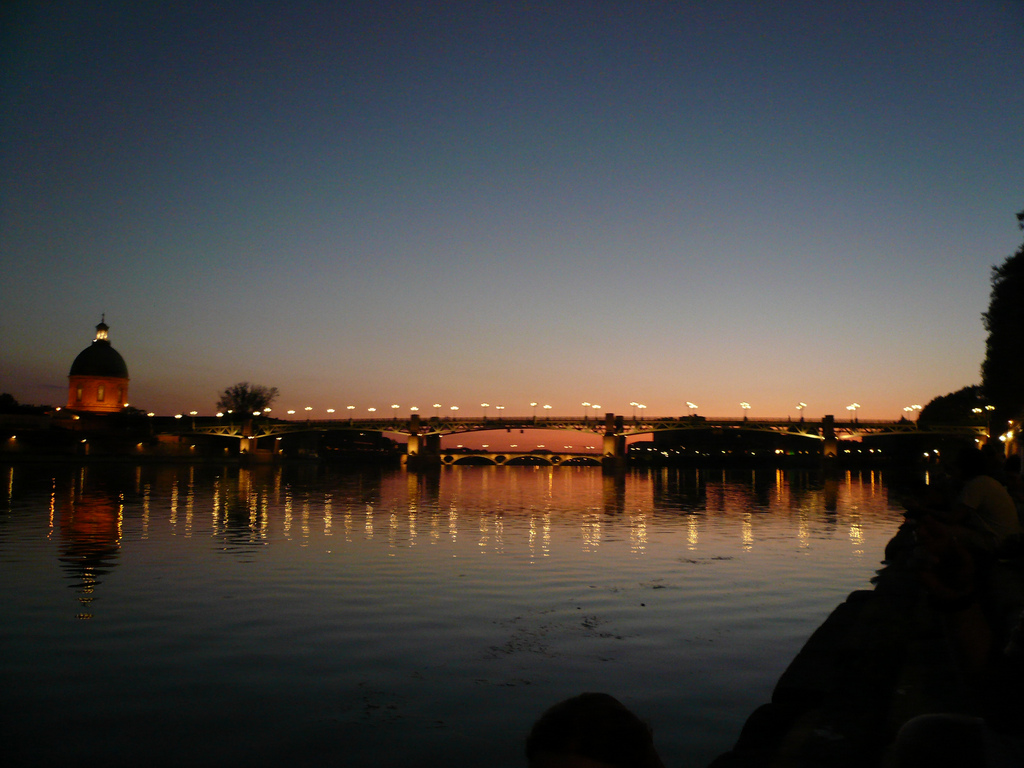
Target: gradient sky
x,y
368,203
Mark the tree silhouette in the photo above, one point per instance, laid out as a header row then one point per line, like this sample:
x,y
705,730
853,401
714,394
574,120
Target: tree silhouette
x,y
955,408
246,398
1002,372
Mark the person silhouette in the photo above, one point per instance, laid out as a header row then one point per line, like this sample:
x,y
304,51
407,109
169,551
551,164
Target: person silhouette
x,y
591,730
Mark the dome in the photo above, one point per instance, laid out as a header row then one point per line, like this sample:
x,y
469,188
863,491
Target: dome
x,y
98,382
99,358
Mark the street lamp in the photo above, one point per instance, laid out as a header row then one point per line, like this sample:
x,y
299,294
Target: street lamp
x,y
485,406
437,411
534,406
633,406
395,407
499,409
745,407
641,406
454,408
585,406
548,408
691,406
853,408
800,407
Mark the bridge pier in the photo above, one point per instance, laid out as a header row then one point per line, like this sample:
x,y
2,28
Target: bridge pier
x,y
245,441
613,461
830,444
422,451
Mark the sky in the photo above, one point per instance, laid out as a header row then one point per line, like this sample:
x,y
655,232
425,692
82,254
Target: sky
x,y
408,203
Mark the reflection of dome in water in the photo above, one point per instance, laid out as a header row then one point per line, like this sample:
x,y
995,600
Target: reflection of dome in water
x,y
98,381
90,528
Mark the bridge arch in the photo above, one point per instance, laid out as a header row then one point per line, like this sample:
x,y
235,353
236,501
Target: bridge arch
x,y
515,459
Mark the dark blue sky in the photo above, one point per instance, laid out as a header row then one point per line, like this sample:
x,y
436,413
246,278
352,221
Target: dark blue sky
x,y
407,203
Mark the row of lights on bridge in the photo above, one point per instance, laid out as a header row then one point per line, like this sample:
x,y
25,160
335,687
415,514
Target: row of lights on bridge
x,y
587,407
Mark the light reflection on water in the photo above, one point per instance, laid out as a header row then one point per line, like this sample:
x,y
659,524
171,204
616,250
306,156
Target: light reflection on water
x,y
173,613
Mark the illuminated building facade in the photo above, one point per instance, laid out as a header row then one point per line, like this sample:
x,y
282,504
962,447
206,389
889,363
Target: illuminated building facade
x,y
98,382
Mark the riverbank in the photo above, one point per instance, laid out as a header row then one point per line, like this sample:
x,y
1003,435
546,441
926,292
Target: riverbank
x,y
886,656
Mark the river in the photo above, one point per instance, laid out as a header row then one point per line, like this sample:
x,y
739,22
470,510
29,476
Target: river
x,y
176,614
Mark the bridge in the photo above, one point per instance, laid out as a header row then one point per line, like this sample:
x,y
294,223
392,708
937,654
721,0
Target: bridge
x,y
424,434
522,458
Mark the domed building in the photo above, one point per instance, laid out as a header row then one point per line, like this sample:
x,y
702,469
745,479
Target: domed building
x,y
98,382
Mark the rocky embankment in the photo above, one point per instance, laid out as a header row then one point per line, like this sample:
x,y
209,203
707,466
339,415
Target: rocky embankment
x,y
889,655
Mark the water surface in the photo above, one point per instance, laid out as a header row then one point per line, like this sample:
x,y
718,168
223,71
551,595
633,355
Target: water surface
x,y
300,615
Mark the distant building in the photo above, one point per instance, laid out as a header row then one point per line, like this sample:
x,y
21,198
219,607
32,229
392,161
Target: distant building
x,y
98,382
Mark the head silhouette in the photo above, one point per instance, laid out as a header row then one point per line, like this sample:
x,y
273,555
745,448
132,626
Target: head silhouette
x,y
592,730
